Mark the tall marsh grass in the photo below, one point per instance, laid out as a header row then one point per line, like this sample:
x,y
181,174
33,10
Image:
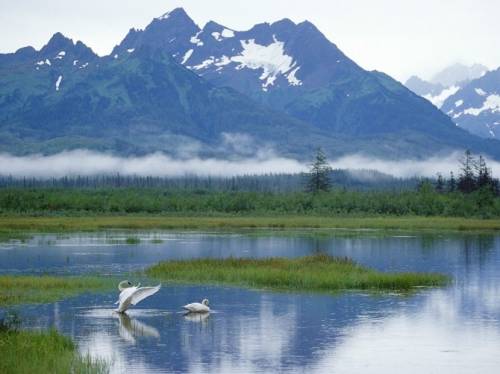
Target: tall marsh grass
x,y
26,352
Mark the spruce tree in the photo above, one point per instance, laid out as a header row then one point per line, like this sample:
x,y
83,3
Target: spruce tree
x,y
467,179
319,174
440,183
484,175
452,183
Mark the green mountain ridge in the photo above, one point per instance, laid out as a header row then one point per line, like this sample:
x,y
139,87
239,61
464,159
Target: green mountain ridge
x,y
141,99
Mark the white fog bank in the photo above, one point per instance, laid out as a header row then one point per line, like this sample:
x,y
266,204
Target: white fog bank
x,y
85,162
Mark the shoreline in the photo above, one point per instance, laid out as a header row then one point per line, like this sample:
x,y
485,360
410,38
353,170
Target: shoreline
x,y
14,225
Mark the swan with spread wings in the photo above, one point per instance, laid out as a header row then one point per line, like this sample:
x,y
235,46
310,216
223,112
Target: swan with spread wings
x,y
132,295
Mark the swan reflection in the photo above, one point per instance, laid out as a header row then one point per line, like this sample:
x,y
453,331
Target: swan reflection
x,y
129,329
197,317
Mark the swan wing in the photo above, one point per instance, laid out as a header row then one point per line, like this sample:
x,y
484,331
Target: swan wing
x,y
142,293
190,307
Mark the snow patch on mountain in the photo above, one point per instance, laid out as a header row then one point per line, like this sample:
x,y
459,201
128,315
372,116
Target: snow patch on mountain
x,y
226,33
272,59
60,55
187,55
44,62
440,98
480,92
206,63
492,103
292,79
130,50
224,60
58,82
458,103
163,17
195,40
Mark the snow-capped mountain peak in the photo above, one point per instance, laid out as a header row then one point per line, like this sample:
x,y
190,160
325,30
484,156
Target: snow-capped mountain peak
x,y
446,82
266,57
476,107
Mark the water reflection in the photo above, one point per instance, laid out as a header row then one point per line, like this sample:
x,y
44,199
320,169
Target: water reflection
x,y
450,330
108,253
197,317
129,328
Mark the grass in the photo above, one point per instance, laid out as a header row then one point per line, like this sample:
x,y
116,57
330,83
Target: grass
x,y
132,240
16,224
16,289
312,273
26,352
6,235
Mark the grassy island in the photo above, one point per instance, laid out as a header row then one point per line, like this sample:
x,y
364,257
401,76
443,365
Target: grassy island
x,y
312,273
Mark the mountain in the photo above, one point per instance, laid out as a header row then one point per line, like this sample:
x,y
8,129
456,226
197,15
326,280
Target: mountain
x,y
177,88
476,106
446,82
294,68
138,103
422,87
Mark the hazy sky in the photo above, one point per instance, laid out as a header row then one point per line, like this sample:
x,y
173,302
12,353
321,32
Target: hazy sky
x,y
399,37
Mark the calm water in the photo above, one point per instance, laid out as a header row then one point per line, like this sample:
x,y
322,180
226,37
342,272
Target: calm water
x,y
448,330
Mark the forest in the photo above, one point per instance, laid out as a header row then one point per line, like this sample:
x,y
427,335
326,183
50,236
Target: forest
x,y
472,193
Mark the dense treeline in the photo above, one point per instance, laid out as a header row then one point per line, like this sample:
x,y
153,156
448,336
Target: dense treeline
x,y
425,202
474,175
278,183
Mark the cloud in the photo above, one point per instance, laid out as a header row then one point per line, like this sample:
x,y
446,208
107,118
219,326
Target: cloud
x,y
85,162
406,168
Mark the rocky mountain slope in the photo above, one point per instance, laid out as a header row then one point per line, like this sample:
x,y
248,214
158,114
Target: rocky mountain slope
x,y
177,88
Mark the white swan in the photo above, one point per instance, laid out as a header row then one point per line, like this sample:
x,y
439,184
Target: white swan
x,y
198,307
132,295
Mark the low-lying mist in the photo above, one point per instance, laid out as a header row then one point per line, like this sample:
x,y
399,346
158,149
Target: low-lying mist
x,y
86,163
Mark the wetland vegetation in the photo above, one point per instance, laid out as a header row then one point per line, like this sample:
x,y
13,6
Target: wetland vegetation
x,y
22,289
25,351
319,272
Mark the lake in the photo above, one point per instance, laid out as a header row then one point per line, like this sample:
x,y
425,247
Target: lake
x,y
455,329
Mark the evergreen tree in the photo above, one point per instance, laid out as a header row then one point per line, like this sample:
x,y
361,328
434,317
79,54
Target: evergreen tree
x,y
319,174
467,179
440,183
484,175
452,183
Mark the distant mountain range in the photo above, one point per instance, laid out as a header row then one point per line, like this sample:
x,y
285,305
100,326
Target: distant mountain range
x,y
176,88
469,95
446,82
476,106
